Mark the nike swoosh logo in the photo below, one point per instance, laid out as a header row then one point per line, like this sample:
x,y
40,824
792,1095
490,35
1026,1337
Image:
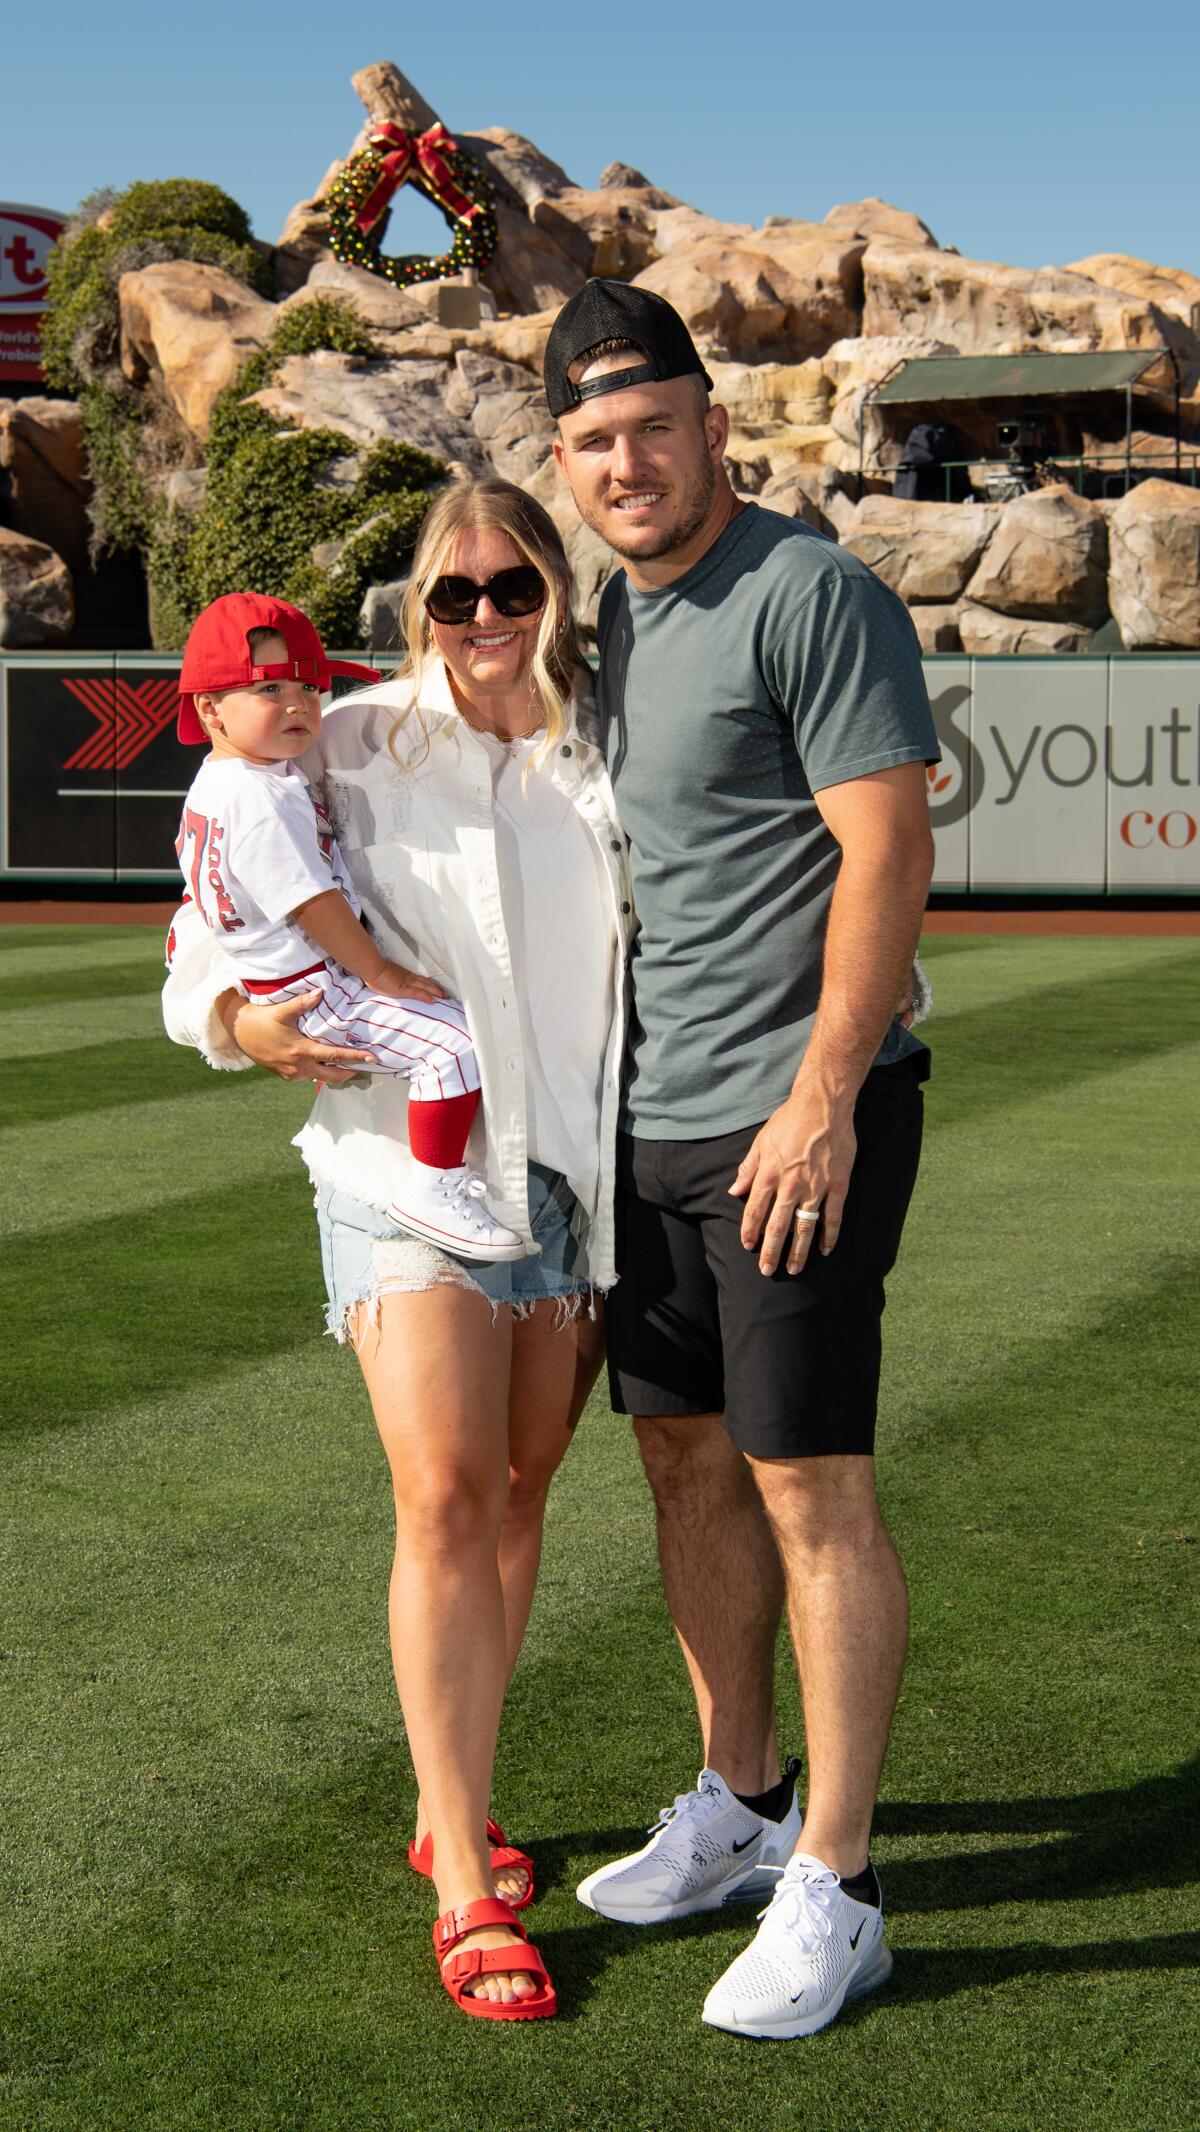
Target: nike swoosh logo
x,y
753,1839
855,1937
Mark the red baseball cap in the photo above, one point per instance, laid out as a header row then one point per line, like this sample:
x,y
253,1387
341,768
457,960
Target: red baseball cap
x,y
217,653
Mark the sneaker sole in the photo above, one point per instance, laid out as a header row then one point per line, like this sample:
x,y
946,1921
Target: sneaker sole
x,y
871,1975
456,1246
666,1913
756,1884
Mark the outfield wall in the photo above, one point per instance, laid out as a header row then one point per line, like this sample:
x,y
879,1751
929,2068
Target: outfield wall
x,y
1059,776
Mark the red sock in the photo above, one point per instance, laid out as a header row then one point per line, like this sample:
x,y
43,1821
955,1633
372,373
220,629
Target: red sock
x,y
437,1132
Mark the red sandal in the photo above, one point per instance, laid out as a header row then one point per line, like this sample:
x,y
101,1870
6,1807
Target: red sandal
x,y
420,1858
458,1971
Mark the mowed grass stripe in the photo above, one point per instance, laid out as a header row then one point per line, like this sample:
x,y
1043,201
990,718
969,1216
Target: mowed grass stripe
x,y
29,950
1067,1037
80,980
98,1076
44,1029
150,1154
994,971
118,1309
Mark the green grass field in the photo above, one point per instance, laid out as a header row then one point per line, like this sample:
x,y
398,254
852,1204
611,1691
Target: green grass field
x,y
208,1922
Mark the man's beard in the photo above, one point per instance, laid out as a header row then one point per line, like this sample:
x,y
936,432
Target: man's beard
x,y
695,505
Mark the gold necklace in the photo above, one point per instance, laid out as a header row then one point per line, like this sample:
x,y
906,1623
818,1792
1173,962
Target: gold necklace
x,y
507,740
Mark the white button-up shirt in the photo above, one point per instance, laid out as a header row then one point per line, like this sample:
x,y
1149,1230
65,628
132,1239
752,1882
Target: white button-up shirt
x,y
415,826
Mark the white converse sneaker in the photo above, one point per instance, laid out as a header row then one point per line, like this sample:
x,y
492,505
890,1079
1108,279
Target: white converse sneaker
x,y
815,1948
449,1208
705,1850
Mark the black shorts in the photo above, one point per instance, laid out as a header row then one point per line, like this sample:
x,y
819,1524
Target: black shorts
x,y
693,1327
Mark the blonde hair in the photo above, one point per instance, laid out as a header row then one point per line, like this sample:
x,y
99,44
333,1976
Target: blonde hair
x,y
494,506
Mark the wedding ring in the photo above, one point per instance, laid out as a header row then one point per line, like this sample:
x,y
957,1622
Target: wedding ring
x,y
808,1214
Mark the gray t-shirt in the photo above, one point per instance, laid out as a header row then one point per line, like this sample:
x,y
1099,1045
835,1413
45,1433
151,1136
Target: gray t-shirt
x,y
780,664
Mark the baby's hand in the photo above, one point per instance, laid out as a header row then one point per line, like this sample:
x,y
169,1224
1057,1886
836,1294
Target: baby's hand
x,y
398,983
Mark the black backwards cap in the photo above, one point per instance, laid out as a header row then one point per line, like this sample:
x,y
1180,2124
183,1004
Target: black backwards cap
x,y
616,311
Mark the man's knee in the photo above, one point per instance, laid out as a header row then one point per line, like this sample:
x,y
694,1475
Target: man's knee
x,y
689,1454
819,1503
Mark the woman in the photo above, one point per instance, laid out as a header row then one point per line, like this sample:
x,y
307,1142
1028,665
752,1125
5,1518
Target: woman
x,y
474,812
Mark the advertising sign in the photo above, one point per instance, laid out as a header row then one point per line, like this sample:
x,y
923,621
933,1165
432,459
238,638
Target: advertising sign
x,y
26,235
93,774
1058,776
1154,774
1039,731
954,782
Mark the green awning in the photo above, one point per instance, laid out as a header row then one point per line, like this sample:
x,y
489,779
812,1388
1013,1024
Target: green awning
x,y
1014,377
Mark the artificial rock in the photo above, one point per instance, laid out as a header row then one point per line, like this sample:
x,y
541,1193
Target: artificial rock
x,y
937,627
797,320
187,329
982,308
924,551
37,600
983,631
781,294
42,453
1154,567
1047,559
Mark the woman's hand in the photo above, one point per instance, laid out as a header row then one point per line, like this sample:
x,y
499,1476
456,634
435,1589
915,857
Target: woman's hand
x,y
269,1036
398,983
916,999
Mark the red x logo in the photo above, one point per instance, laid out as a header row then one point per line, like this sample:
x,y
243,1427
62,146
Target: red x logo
x,y
128,717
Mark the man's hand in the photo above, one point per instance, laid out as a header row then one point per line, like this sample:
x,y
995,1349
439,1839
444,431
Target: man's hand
x,y
269,1036
801,1159
398,983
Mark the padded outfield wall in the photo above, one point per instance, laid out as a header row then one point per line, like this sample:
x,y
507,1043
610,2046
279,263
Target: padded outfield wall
x,y
1060,775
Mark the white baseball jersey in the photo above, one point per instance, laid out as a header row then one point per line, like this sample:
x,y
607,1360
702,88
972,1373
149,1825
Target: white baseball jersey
x,y
253,844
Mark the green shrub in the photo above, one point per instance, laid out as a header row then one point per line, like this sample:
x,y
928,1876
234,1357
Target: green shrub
x,y
265,509
179,218
178,203
112,234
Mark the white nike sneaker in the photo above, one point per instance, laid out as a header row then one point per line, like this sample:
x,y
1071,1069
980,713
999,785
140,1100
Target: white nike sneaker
x,y
449,1208
705,1850
814,1949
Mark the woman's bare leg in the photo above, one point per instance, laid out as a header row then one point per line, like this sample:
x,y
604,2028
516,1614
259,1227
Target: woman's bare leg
x,y
437,1369
554,1367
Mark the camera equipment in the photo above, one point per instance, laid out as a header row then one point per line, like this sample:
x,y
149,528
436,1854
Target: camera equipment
x,y
1024,441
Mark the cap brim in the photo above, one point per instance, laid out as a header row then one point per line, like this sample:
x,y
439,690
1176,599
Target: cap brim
x,y
188,726
353,672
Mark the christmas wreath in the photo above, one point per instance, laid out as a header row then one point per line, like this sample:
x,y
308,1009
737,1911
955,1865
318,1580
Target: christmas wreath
x,y
357,204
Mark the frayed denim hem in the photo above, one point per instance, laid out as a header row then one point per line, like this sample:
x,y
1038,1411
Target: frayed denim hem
x,y
443,1272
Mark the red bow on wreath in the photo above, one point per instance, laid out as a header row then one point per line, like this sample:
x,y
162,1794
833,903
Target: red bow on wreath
x,y
428,151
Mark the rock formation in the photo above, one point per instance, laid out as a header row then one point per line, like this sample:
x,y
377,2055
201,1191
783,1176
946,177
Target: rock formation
x,y
1154,576
42,456
37,605
798,320
189,328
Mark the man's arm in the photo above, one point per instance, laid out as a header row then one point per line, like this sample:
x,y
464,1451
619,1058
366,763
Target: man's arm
x,y
805,1152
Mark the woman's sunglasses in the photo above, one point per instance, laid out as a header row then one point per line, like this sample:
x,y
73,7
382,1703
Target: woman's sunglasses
x,y
513,593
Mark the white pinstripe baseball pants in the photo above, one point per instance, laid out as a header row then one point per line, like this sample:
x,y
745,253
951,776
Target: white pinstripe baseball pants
x,y
427,1044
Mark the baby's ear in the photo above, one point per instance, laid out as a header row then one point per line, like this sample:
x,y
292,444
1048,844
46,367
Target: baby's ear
x,y
206,711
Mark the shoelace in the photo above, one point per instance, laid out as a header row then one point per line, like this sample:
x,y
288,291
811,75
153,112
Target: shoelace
x,y
801,1906
685,1804
470,1187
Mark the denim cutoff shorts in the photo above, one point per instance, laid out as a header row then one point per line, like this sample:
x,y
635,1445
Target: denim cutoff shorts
x,y
365,1256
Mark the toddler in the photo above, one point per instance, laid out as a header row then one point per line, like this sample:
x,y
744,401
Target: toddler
x,y
262,865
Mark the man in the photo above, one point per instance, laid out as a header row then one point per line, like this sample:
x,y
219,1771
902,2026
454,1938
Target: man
x,y
767,731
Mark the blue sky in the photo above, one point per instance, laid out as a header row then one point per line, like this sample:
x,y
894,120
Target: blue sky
x,y
1030,134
